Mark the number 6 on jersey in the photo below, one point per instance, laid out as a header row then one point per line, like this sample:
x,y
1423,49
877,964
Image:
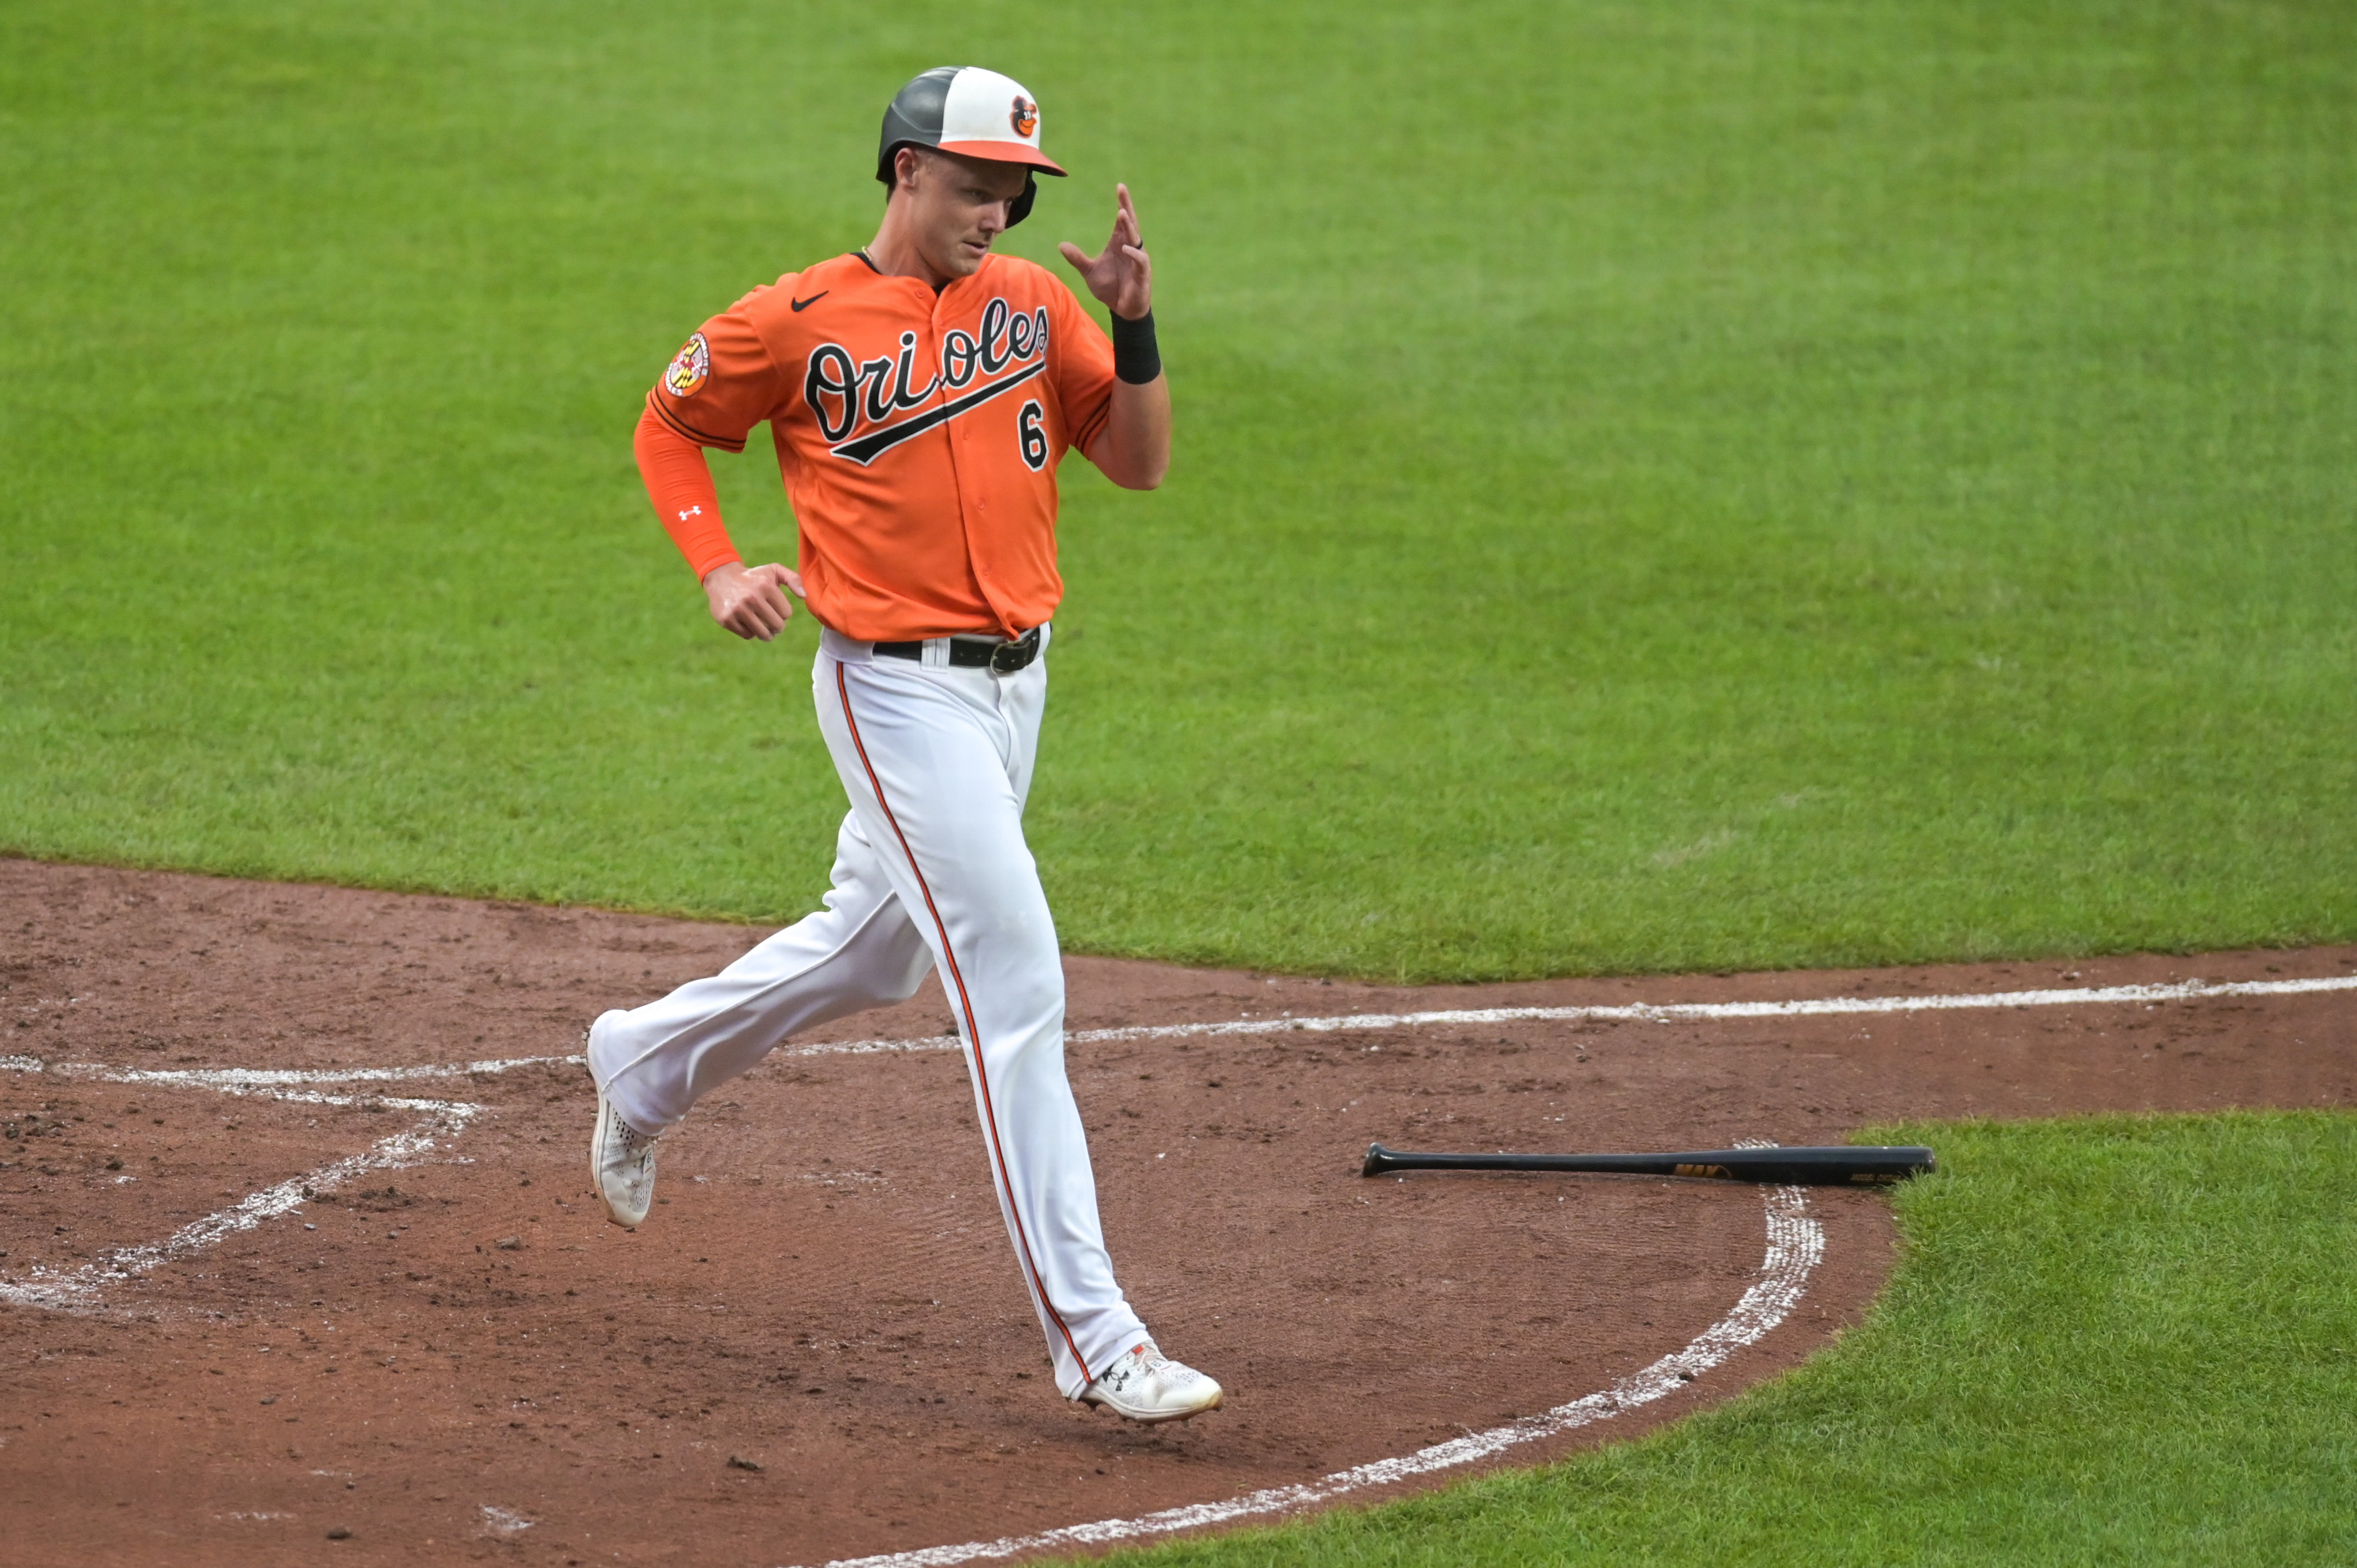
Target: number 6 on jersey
x,y
1033,439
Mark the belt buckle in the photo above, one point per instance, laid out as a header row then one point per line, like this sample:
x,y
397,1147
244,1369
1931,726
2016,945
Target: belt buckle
x,y
1007,658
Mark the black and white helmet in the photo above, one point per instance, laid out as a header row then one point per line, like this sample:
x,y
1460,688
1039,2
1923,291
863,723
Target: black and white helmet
x,y
973,111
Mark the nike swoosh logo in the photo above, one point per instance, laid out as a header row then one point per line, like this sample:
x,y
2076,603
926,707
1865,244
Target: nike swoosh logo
x,y
801,304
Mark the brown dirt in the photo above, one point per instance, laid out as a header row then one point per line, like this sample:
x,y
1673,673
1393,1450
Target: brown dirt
x,y
827,1291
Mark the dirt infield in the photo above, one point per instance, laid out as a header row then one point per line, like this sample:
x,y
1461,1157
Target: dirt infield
x,y
819,1347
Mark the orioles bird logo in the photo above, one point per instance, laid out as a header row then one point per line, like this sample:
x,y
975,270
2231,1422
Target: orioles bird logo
x,y
1026,117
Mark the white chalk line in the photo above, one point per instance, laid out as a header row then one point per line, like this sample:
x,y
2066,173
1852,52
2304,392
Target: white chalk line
x,y
1633,1012
1796,1244
77,1287
231,1079
228,1079
1686,1012
81,1289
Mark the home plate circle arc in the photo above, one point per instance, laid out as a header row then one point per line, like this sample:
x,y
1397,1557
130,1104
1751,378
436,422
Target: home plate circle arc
x,y
1795,1245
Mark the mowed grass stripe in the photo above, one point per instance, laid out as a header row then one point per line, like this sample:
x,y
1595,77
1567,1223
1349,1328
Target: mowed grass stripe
x,y
1735,486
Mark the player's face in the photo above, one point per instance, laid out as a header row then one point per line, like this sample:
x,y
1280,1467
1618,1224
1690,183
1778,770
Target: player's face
x,y
959,208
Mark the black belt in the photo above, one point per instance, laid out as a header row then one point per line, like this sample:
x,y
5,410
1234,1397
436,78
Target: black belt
x,y
1002,658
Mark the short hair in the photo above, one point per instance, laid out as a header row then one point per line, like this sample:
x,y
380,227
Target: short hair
x,y
924,154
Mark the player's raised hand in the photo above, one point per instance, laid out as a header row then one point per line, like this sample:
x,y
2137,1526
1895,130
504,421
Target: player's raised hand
x,y
1121,275
751,601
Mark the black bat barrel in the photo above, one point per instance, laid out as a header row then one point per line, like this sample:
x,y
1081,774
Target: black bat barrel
x,y
1840,1164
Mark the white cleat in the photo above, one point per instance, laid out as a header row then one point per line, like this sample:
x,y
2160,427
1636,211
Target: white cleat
x,y
1145,1385
621,1164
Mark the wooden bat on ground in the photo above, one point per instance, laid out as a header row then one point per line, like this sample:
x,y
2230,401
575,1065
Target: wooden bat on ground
x,y
1840,1164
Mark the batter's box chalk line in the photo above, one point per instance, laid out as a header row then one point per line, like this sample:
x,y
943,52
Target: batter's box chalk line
x,y
82,1289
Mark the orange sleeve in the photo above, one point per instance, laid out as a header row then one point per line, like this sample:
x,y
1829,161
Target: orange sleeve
x,y
679,481
1083,370
721,383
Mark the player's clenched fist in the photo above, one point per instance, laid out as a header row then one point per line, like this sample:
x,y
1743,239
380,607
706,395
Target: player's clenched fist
x,y
750,600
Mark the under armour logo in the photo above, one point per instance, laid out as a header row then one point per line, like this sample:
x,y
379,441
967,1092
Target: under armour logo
x,y
691,511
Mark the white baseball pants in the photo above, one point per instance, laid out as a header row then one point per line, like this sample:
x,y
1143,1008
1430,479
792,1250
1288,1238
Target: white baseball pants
x,y
931,872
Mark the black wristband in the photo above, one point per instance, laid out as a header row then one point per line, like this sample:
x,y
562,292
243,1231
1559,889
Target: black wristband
x,y
1136,359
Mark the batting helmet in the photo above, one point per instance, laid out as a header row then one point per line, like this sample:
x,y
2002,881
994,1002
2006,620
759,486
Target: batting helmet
x,y
976,112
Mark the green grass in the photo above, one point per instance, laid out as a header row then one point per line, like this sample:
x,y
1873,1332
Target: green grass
x,y
2119,1340
1740,484
1726,484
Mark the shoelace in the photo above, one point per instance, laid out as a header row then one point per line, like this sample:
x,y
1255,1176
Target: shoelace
x,y
1144,1362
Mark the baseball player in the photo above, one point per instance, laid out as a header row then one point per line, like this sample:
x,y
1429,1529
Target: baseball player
x,y
921,394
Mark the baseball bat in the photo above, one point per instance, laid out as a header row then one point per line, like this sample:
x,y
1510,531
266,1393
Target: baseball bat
x,y
1841,1164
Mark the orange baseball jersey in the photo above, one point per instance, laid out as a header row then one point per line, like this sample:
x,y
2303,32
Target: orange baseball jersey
x,y
917,433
